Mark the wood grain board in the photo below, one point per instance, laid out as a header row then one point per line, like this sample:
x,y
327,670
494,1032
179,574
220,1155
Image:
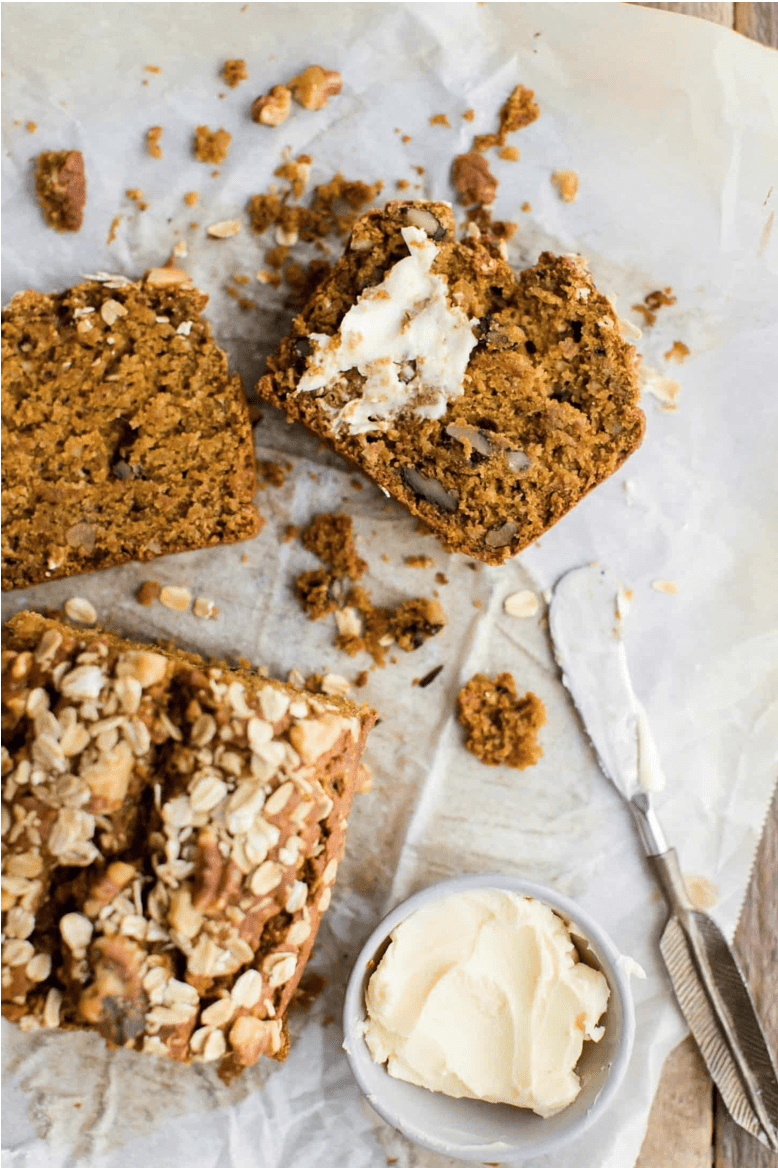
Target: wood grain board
x,y
689,1127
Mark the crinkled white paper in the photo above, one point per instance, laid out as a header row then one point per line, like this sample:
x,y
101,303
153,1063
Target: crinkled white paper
x,y
671,125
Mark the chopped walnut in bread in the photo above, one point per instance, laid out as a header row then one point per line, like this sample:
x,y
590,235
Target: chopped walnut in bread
x,y
172,832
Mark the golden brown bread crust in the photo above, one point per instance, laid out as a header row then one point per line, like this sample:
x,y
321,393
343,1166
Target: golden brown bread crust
x,y
172,831
124,436
550,403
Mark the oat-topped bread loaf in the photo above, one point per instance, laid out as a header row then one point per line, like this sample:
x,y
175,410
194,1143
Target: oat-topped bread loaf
x,y
124,435
489,403
171,835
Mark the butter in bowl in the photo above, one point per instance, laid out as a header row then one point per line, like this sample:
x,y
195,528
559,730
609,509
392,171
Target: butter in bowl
x,y
489,1018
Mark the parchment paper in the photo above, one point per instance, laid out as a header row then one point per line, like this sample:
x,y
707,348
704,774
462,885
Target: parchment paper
x,y
672,126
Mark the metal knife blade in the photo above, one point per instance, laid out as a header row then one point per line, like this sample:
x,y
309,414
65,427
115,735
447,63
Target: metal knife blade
x,y
585,624
585,621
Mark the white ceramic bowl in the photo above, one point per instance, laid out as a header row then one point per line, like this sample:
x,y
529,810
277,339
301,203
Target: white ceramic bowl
x,y
468,1128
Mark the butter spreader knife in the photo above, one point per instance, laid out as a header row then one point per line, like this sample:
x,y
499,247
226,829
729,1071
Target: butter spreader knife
x,y
585,623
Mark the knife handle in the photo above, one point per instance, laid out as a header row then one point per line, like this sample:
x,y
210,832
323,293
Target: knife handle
x,y
668,872
664,860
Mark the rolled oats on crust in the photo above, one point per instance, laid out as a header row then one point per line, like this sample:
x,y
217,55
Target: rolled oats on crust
x,y
171,833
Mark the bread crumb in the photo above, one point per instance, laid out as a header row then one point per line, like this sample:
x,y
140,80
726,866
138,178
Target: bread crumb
x,y
440,578
234,71
152,68
330,538
420,561
402,184
362,627
272,278
468,115
518,111
135,194
295,173
113,229
669,587
153,136
510,153
566,183
269,474
148,592
652,303
31,127
440,120
472,178
678,351
501,729
211,145
191,197
526,207
291,531
406,138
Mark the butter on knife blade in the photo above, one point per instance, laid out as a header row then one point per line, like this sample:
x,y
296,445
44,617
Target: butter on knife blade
x,y
585,618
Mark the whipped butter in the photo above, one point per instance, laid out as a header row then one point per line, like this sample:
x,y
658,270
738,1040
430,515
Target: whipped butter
x,y
405,339
482,995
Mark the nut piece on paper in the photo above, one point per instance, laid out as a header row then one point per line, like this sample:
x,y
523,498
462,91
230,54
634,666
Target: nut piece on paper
x,y
60,184
271,109
312,88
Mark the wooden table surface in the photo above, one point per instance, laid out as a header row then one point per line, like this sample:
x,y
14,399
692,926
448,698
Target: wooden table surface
x,y
689,1126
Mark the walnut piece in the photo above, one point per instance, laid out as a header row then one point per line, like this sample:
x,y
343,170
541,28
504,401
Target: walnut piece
x,y
60,184
314,86
271,109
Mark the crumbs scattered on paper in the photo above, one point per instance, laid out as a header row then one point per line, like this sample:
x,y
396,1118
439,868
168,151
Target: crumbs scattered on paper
x,y
664,389
652,302
669,587
566,183
678,351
